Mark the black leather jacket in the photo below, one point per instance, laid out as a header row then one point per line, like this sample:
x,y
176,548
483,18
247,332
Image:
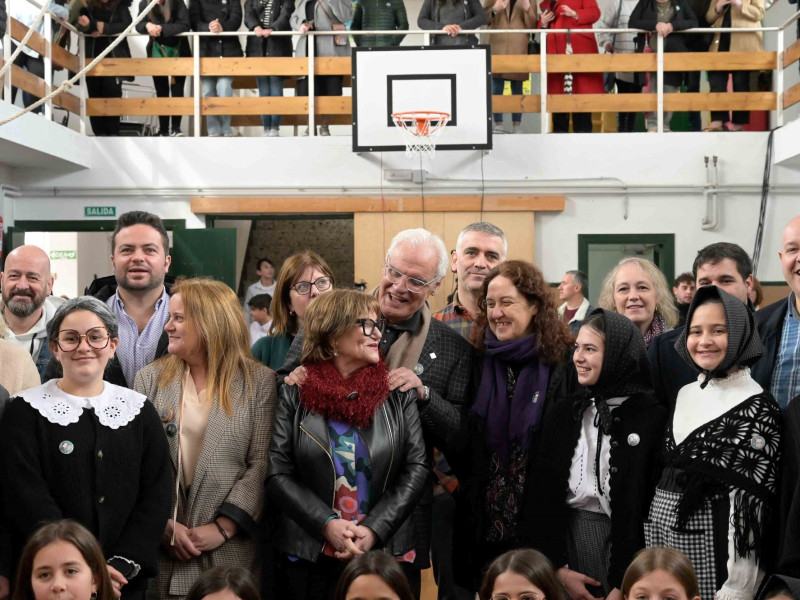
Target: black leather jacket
x,y
300,479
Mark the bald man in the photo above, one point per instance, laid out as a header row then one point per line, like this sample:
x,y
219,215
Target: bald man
x,y
779,325
26,283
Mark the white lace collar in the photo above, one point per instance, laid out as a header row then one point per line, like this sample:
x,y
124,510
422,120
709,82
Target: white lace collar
x,y
732,379
115,407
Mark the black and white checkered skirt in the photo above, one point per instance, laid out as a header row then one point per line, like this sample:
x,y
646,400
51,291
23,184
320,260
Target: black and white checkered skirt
x,y
589,547
696,541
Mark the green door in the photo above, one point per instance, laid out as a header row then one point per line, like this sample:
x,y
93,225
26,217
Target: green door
x,y
205,253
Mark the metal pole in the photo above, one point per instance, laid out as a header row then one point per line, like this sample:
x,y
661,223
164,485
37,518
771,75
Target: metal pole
x,y
312,122
198,120
84,91
48,65
779,83
545,118
660,81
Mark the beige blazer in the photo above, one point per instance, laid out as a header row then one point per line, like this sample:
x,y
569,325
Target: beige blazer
x,y
229,476
510,43
17,371
749,16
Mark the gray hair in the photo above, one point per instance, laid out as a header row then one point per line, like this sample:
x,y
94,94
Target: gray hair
x,y
88,303
487,229
580,278
423,237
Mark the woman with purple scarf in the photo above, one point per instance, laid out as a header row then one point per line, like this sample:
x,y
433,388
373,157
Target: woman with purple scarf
x,y
525,371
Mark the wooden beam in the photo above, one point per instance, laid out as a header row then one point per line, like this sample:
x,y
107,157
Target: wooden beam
x,y
297,105
528,63
791,96
35,86
673,61
791,54
356,204
113,107
274,66
517,104
289,120
61,57
647,102
125,67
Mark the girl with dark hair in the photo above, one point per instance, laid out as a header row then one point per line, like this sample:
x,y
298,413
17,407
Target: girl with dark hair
x,y
598,476
81,448
235,580
165,21
722,446
660,573
525,372
525,574
373,575
63,559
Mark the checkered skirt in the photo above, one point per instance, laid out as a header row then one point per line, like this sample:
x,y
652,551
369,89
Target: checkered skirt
x,y
696,541
589,547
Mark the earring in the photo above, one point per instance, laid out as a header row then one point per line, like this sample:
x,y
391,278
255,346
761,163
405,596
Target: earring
x,y
94,596
335,352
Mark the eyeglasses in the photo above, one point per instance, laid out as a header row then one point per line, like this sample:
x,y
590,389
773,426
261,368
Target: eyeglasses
x,y
368,326
304,287
413,284
69,339
522,596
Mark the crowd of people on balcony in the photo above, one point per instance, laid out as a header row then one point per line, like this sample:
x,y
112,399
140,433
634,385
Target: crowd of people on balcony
x,y
504,435
444,19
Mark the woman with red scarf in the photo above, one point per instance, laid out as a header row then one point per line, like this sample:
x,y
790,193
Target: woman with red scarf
x,y
574,15
347,461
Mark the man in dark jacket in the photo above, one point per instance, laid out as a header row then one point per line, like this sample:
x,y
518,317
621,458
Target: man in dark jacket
x,y
379,15
138,294
722,264
779,327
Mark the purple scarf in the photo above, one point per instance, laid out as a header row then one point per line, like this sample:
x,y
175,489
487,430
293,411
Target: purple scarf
x,y
505,421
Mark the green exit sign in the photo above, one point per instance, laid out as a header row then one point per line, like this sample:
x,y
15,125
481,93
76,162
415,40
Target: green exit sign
x,y
99,211
63,254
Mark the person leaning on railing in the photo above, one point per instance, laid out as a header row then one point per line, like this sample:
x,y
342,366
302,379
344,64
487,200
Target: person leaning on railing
x,y
379,15
217,16
166,20
263,17
614,14
662,18
100,19
744,14
322,15
451,17
509,14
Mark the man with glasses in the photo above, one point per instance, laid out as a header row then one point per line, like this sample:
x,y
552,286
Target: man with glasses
x,y
422,354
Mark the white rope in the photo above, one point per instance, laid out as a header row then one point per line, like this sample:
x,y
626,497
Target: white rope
x,y
25,39
70,82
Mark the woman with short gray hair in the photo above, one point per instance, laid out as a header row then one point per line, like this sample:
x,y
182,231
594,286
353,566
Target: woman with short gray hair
x,y
81,448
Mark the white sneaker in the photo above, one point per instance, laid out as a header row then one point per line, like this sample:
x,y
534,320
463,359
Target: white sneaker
x,y
324,130
176,134
517,129
305,133
213,135
275,132
498,129
230,134
266,133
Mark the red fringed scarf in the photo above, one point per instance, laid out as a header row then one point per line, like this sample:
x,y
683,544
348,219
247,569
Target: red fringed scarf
x,y
353,400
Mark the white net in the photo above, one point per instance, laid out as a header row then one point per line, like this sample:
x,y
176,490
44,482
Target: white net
x,y
420,130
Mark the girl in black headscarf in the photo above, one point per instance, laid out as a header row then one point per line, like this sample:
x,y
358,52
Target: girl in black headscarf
x,y
722,448
598,473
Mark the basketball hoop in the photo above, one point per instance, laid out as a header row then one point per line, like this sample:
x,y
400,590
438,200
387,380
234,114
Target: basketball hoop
x,y
420,129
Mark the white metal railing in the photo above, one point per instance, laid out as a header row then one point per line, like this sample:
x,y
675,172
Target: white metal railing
x,y
543,35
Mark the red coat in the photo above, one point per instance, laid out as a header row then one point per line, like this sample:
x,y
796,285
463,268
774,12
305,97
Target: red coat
x,y
582,43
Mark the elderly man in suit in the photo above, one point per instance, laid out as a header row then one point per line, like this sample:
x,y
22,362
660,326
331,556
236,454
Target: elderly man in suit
x,y
422,353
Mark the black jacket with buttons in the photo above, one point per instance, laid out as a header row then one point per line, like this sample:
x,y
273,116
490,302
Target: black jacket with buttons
x,y
229,13
635,466
300,477
115,482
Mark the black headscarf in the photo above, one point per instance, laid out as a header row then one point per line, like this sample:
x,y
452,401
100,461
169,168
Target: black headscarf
x,y
744,345
626,368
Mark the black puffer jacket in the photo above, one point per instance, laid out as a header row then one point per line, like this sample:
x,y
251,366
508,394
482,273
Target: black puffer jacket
x,y
229,13
278,45
178,23
116,16
300,477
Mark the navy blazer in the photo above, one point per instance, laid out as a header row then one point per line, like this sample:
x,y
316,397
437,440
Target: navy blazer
x,y
769,322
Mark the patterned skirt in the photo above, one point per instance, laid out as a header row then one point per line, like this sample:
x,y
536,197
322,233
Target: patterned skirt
x,y
697,540
589,547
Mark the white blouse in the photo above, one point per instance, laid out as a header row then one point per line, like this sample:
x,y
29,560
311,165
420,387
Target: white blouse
x,y
583,493
115,407
694,408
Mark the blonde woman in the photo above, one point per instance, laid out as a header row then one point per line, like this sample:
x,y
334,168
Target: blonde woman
x,y
637,289
217,405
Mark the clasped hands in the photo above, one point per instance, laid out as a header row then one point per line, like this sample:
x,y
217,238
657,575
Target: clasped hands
x,y
215,26
193,542
347,538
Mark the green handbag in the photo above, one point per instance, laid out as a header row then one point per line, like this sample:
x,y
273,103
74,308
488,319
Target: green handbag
x,y
163,51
